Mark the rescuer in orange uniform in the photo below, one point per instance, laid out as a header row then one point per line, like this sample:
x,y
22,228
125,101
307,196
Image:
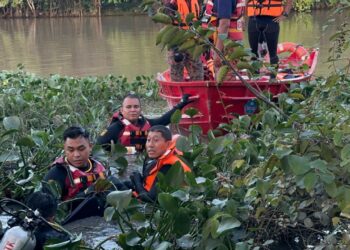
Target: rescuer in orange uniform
x,y
161,155
227,17
263,25
179,60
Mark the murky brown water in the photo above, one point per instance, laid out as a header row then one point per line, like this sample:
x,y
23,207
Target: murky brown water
x,y
120,45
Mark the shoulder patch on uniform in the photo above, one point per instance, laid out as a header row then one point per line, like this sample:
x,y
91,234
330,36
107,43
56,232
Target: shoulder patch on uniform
x,y
103,132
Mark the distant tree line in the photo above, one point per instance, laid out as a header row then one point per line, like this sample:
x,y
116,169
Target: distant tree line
x,y
54,8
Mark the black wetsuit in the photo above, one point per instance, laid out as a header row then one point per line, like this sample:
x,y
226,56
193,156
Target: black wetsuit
x,y
137,180
116,127
45,234
88,205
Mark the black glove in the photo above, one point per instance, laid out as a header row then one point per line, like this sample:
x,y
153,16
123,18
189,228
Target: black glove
x,y
137,181
184,101
120,185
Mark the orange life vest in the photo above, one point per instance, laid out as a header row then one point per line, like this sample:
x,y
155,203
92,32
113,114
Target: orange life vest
x,y
235,32
133,135
184,8
78,180
264,8
170,157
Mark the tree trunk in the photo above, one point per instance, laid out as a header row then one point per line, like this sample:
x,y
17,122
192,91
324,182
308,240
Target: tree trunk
x,y
31,7
98,7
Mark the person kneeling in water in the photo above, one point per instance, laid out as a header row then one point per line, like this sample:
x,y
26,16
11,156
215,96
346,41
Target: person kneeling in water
x,y
161,155
129,127
47,205
75,174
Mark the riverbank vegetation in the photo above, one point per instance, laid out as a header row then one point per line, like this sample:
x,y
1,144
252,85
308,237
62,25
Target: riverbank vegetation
x,y
278,179
60,8
35,111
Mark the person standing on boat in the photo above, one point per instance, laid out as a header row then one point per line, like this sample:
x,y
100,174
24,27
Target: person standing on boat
x,y
75,174
129,127
161,156
263,25
179,60
227,16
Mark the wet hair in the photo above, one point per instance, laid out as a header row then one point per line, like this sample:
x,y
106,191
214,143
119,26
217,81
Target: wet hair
x,y
131,96
166,133
75,132
45,203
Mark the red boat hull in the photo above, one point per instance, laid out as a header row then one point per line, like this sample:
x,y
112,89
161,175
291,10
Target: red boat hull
x,y
219,104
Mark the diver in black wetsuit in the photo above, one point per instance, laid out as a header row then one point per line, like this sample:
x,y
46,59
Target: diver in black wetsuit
x,y
129,127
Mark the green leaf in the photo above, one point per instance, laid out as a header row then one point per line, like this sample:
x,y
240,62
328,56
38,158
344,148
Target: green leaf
x,y
210,228
338,138
227,224
119,199
175,176
176,117
345,152
162,18
272,162
181,195
12,122
26,141
208,168
182,144
195,130
109,213
187,241
121,163
308,223
242,246
182,221
164,245
70,244
327,178
269,118
102,185
217,145
238,53
331,189
132,239
189,18
237,164
310,181
244,65
147,2
280,153
262,186
118,150
191,112
8,132
9,156
299,165
320,165
168,202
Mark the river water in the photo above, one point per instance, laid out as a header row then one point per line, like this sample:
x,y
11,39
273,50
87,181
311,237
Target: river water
x,y
122,45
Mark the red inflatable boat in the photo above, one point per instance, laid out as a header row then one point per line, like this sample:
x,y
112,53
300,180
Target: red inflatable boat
x,y
218,104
